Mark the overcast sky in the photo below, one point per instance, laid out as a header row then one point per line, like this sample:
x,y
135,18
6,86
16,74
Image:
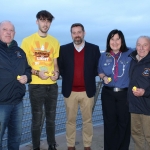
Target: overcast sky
x,y
99,17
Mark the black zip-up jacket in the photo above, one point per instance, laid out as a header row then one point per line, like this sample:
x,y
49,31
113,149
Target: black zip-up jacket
x,y
140,77
13,62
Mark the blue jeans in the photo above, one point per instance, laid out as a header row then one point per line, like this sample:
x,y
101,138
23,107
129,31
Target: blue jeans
x,y
43,95
11,118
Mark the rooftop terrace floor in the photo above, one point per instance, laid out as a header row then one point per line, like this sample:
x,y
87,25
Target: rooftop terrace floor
x,y
97,143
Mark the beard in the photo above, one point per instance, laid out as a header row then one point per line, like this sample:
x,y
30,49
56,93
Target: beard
x,y
44,29
78,40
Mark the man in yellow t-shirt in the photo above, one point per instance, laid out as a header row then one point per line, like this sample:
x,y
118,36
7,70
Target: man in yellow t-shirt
x,y
42,51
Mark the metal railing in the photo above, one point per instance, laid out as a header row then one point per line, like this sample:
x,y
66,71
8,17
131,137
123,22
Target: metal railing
x,y
60,117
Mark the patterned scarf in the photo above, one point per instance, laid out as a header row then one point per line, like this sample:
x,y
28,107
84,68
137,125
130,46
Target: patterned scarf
x,y
116,56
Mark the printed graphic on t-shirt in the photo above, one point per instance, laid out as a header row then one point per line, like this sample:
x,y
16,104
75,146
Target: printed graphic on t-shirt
x,y
43,55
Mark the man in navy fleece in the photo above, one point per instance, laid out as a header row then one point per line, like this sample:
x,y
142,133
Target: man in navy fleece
x,y
14,74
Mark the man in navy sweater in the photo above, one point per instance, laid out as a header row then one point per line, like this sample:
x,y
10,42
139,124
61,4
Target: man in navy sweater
x,y
14,74
78,63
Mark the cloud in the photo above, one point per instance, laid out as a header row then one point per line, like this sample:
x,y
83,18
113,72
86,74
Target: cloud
x,y
99,17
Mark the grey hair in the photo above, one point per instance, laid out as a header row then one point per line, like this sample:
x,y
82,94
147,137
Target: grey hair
x,y
7,21
145,37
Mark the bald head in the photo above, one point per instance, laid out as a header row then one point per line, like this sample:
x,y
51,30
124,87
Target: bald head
x,y
7,32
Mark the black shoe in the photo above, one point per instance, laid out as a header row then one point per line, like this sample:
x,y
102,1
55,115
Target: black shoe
x,y
52,147
37,148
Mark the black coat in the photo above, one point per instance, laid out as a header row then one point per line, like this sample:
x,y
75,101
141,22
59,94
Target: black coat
x,y
13,62
66,67
140,77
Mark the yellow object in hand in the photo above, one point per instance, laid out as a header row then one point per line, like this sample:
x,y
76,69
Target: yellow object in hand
x,y
134,88
18,77
109,79
49,74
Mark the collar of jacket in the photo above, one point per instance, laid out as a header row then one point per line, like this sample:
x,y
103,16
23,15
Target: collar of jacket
x,y
13,43
145,59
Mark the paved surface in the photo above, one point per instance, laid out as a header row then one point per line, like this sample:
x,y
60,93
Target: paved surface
x,y
97,143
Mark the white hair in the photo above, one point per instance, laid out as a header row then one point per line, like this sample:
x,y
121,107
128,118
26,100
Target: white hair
x,y
7,21
144,37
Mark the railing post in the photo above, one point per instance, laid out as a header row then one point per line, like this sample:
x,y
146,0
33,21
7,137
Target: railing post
x,y
99,85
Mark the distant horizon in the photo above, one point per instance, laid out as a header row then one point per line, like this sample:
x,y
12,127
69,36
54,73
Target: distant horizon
x,y
101,49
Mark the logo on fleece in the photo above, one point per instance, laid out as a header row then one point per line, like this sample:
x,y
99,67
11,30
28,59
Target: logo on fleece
x,y
18,54
146,72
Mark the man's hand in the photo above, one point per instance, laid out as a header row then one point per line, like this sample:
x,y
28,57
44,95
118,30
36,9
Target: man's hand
x,y
138,92
22,79
42,75
55,75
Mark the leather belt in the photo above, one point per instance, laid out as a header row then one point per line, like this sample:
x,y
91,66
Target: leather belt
x,y
115,89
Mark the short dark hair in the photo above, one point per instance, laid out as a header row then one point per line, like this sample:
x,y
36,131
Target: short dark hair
x,y
123,47
76,25
43,14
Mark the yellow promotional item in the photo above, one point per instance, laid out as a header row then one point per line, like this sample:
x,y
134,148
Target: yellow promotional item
x,y
134,88
18,77
49,74
109,79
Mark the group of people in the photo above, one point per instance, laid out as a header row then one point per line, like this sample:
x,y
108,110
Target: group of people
x,y
41,60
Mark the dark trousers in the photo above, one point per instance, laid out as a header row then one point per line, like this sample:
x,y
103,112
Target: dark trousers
x,y
43,95
116,120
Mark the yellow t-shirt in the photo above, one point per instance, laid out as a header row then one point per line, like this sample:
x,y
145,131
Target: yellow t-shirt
x,y
41,53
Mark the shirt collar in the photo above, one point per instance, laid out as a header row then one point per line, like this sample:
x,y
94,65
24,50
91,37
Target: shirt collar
x,y
79,48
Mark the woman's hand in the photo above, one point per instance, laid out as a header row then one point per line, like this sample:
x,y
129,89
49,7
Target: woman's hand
x,y
106,79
